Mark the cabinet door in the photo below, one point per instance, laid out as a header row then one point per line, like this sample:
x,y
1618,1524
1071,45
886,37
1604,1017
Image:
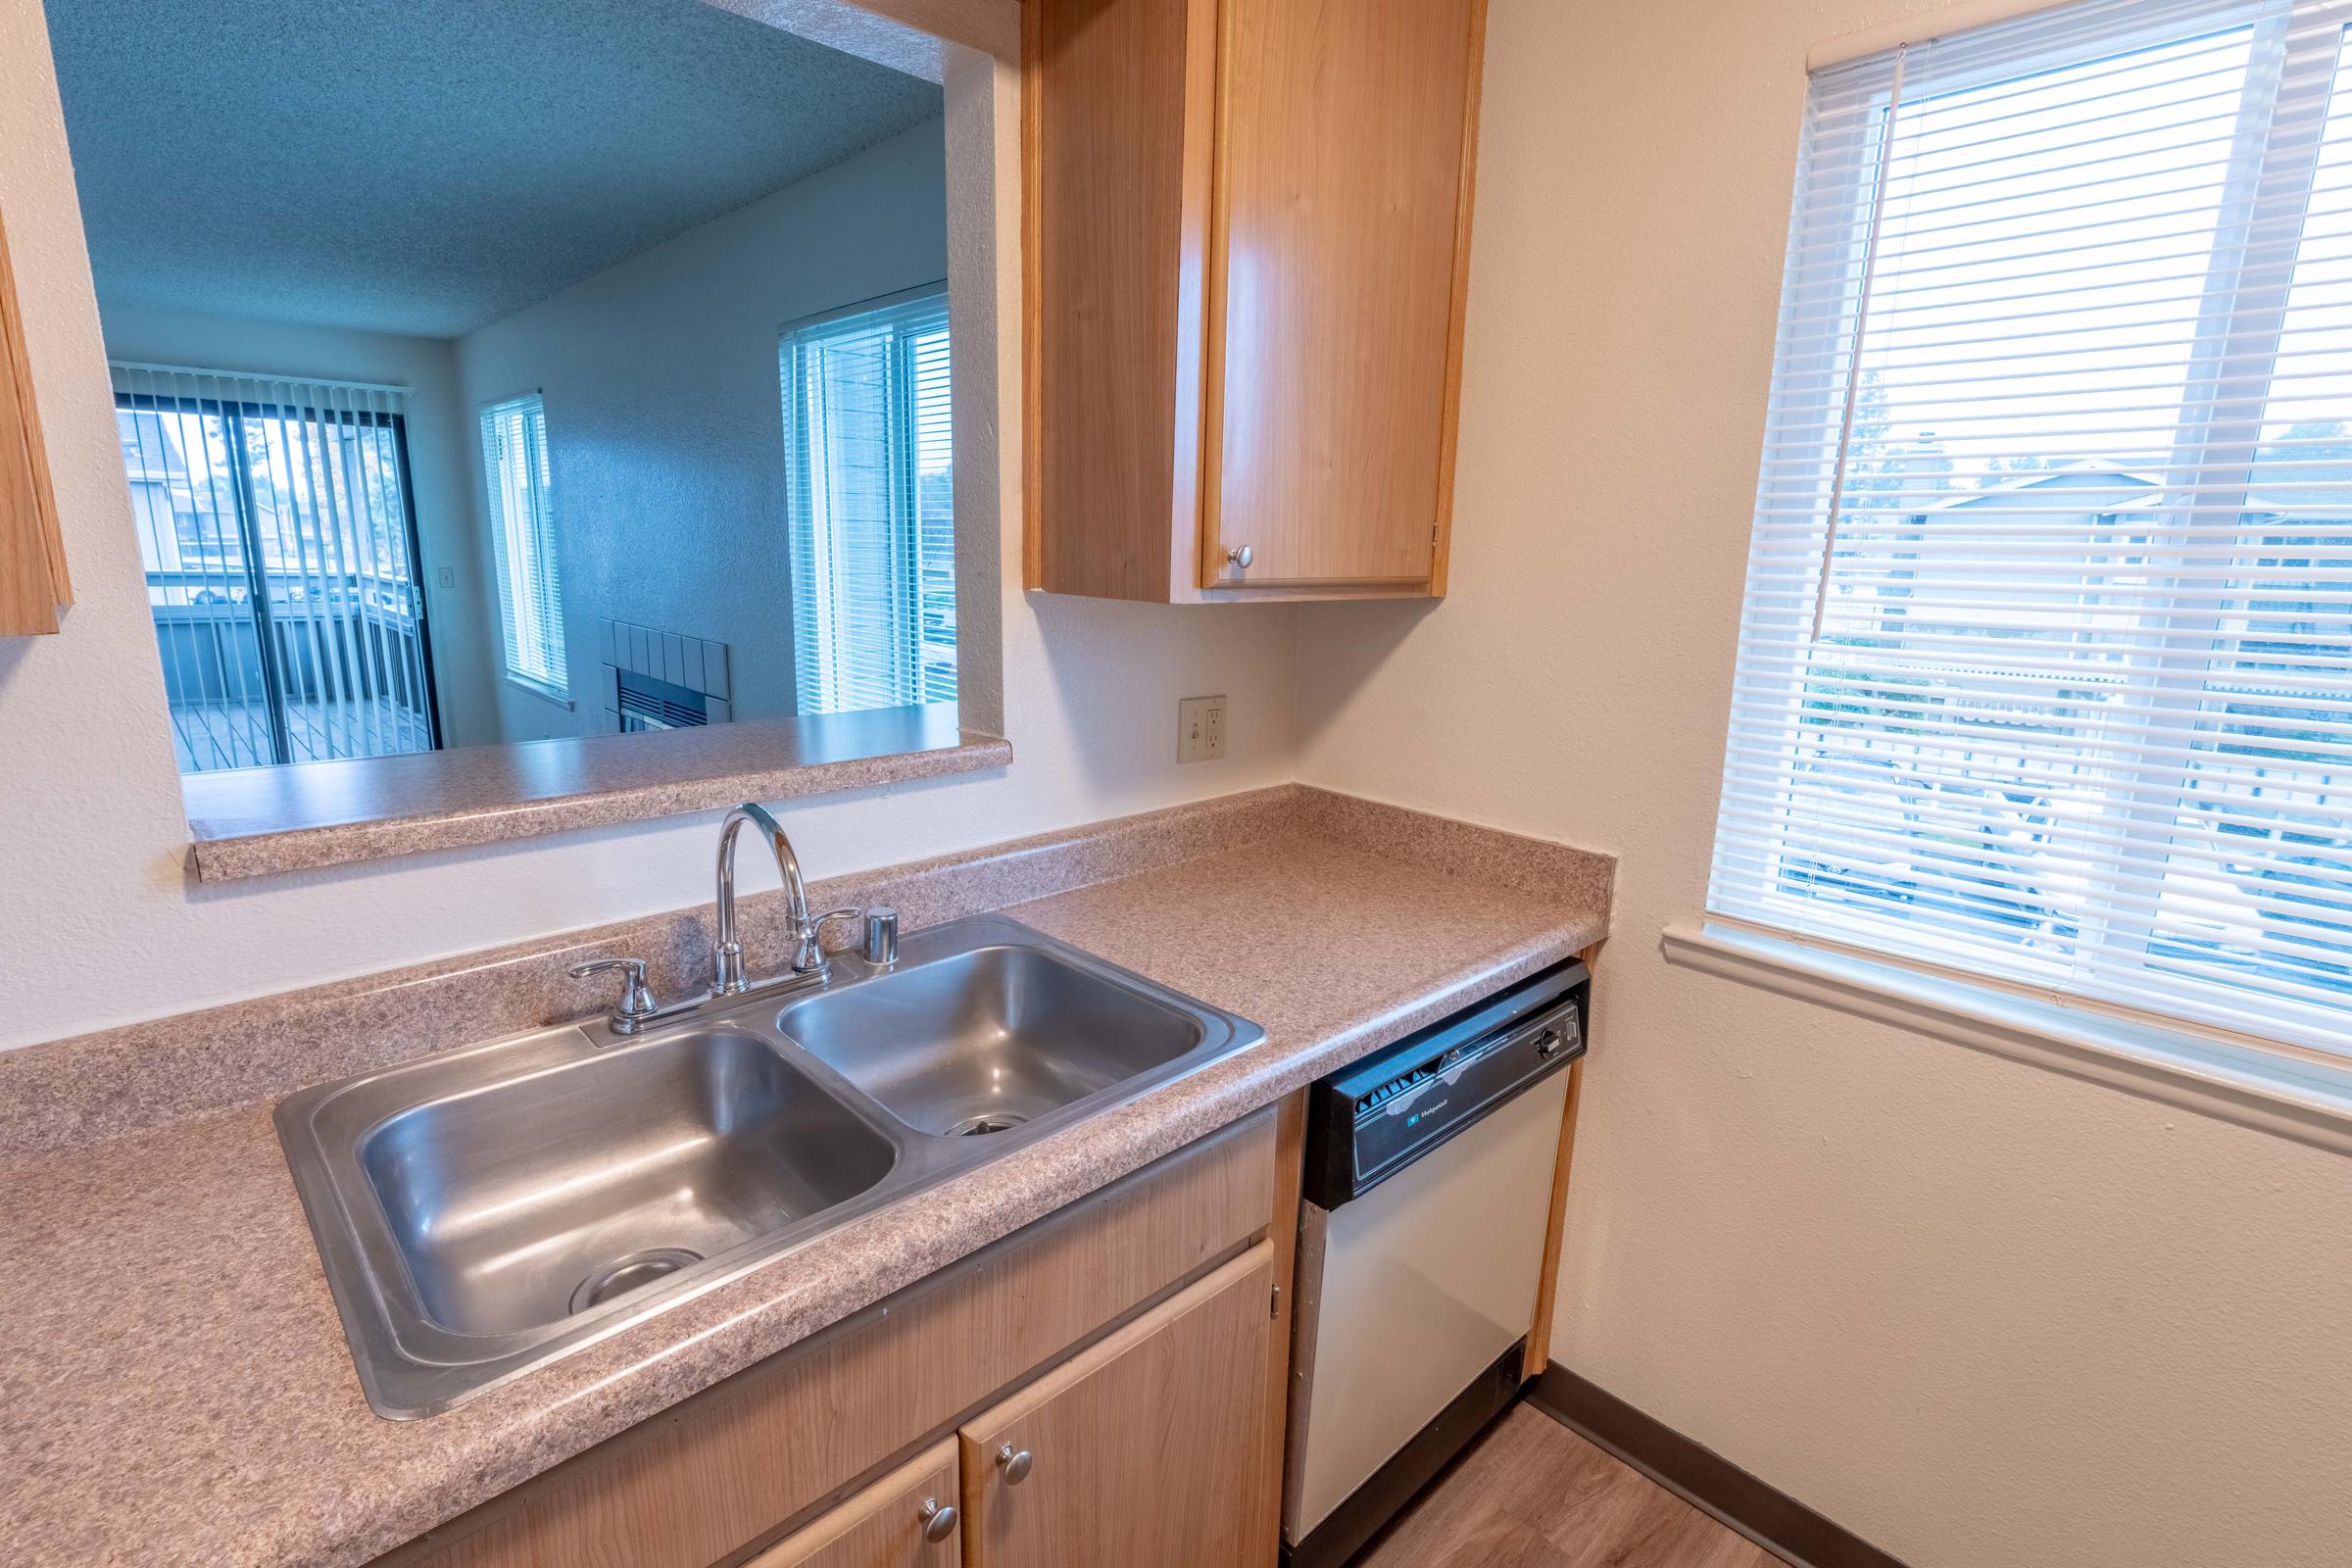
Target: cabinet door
x,y
1145,1452
1340,237
888,1525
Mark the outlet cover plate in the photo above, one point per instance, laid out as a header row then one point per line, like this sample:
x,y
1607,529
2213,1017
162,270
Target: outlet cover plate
x,y
1200,729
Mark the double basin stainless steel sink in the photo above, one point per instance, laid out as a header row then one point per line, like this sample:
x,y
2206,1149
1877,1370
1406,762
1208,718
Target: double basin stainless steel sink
x,y
482,1211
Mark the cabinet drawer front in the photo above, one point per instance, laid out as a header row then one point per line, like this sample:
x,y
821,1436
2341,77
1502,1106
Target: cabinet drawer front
x,y
1145,1452
888,1525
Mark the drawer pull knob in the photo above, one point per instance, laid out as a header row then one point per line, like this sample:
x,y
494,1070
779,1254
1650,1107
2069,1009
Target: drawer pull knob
x,y
938,1523
1240,556
1015,1465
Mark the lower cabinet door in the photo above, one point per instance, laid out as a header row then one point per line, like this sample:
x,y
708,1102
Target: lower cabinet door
x,y
1145,1452
907,1519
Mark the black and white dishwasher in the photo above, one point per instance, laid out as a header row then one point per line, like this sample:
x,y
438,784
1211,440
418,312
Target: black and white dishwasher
x,y
1429,1175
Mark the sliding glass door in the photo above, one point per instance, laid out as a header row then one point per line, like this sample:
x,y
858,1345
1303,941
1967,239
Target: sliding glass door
x,y
279,539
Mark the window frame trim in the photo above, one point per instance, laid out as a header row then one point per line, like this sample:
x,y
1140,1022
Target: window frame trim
x,y
558,693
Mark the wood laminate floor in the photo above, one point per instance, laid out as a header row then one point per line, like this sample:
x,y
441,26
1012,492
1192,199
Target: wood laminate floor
x,y
1531,1494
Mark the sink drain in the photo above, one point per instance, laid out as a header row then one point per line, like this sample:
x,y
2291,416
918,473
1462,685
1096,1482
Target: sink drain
x,y
995,1121
633,1272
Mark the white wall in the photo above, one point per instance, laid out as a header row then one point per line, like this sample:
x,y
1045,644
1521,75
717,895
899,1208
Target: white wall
x,y
1981,1313
664,414
439,439
98,920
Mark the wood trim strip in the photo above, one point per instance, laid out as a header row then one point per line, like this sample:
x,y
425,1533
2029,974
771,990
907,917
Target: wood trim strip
x,y
1290,1172
1204,543
1450,420
1547,1283
1199,409
33,582
1032,294
1701,1477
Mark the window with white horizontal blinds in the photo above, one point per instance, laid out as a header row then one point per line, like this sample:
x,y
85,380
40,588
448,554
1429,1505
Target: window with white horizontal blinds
x,y
870,505
522,529
2045,660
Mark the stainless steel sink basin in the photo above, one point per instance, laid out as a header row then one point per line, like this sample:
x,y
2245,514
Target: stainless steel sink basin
x,y
985,1041
519,1204
484,1210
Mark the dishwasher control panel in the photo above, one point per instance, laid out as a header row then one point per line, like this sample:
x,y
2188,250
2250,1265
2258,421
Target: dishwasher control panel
x,y
1373,1119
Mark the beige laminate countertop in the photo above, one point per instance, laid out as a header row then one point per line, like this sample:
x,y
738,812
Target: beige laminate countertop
x,y
174,1379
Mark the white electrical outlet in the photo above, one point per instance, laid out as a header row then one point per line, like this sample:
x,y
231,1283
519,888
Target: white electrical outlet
x,y
1199,728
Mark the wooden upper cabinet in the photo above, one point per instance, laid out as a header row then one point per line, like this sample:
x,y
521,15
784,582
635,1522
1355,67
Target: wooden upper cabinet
x,y
33,554
1145,1451
1248,245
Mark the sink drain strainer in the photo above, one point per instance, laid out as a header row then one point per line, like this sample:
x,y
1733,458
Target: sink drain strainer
x,y
995,1121
633,1272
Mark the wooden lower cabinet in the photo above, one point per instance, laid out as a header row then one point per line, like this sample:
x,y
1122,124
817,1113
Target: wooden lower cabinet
x,y
717,1478
907,1519
1142,1451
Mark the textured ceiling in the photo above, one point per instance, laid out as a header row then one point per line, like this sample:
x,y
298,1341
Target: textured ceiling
x,y
428,166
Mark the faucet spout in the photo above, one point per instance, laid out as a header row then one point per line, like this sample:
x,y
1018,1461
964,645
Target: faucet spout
x,y
727,978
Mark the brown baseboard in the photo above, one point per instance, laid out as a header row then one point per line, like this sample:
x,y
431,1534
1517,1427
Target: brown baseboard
x,y
1701,1477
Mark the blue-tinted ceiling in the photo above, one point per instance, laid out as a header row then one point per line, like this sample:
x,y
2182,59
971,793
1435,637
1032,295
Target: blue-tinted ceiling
x,y
428,166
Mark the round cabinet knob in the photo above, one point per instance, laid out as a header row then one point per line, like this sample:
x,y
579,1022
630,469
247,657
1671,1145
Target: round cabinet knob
x,y
938,1523
1240,556
1015,1465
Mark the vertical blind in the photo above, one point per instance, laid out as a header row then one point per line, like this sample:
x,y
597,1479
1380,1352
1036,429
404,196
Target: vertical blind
x,y
871,508
522,529
2045,667
274,525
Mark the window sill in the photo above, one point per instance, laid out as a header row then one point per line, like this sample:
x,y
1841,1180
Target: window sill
x,y
2272,1092
539,688
262,821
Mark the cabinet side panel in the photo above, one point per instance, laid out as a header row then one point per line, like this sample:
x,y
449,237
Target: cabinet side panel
x,y
32,562
1107,185
1340,205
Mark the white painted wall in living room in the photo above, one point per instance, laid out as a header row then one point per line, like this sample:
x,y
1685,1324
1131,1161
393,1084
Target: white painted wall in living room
x,y
101,923
665,414
1986,1316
